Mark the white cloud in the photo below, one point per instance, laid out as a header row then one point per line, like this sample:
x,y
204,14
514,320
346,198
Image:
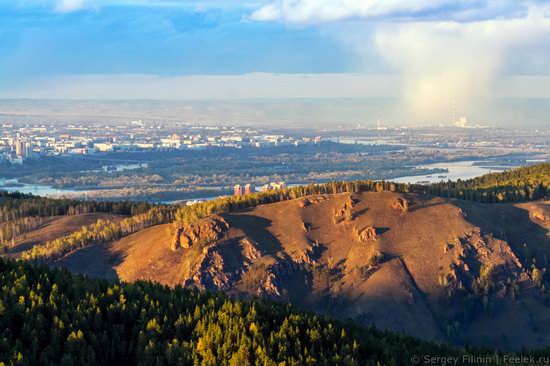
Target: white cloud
x,y
317,11
69,6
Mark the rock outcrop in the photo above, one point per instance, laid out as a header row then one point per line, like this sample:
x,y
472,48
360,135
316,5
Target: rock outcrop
x,y
400,204
541,216
207,230
366,234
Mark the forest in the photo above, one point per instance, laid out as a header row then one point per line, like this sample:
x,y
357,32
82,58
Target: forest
x,y
17,205
22,213
52,317
522,184
12,229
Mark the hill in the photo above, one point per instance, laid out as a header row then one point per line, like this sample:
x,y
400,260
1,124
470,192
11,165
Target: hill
x,y
144,255
435,268
51,228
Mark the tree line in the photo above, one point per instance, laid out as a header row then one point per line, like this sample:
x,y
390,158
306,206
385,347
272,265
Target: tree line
x,y
52,317
528,183
12,229
101,232
14,205
521,184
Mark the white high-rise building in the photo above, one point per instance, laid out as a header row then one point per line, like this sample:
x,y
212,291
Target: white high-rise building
x,y
23,148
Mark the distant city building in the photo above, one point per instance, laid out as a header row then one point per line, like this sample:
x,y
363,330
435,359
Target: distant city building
x,y
39,140
78,150
462,122
232,138
23,148
273,186
238,190
379,126
173,142
104,147
19,148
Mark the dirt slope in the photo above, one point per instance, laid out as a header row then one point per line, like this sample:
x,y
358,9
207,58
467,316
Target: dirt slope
x,y
435,268
144,255
55,227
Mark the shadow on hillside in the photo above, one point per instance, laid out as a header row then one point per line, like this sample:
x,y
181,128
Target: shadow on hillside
x,y
423,205
93,261
512,224
232,254
361,212
20,248
255,227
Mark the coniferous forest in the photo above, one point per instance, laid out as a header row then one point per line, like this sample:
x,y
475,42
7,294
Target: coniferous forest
x,y
50,317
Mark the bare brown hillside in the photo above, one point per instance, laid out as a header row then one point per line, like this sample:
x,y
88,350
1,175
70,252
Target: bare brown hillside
x,y
55,227
434,268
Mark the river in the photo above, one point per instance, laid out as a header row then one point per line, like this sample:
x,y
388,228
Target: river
x,y
456,170
12,185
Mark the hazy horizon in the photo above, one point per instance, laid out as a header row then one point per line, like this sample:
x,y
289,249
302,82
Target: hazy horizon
x,y
289,112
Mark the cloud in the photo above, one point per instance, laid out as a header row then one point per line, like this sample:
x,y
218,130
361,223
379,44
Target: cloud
x,y
445,51
318,11
443,62
69,6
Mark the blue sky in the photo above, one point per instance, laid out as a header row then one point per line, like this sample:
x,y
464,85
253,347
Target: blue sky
x,y
158,39
426,52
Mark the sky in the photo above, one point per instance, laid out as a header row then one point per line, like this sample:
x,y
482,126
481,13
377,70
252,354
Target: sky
x,y
428,54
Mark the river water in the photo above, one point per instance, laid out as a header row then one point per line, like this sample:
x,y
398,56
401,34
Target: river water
x,y
456,170
12,185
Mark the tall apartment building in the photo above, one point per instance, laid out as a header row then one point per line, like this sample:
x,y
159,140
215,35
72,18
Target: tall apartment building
x,y
23,148
243,190
238,190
